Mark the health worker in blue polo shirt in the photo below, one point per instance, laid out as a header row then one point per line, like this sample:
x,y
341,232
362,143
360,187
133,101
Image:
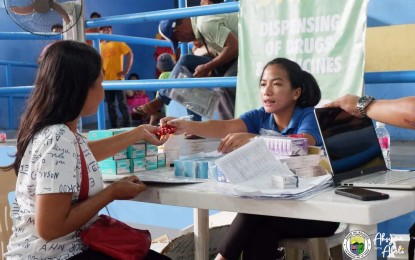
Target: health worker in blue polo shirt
x,y
288,95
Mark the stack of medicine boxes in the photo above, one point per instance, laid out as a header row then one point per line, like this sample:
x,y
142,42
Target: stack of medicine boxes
x,y
137,157
296,154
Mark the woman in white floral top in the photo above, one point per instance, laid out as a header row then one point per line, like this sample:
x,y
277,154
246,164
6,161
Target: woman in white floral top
x,y
46,215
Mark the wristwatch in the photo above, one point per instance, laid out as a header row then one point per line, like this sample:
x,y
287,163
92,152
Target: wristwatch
x,y
362,103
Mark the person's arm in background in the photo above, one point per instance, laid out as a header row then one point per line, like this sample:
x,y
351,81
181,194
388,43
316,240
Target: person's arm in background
x,y
398,112
229,53
128,65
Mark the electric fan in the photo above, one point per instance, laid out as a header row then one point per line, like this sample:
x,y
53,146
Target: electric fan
x,y
38,16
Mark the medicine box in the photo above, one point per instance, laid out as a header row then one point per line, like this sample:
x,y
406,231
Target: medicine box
x,y
294,162
137,150
101,134
114,167
138,165
151,162
287,145
312,171
193,168
151,149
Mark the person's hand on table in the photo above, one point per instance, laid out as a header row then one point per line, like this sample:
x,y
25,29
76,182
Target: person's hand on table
x,y
234,141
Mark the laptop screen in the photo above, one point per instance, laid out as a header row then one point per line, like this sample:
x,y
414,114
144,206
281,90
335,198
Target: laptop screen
x,y
351,144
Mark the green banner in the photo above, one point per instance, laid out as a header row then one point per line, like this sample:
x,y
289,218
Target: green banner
x,y
325,37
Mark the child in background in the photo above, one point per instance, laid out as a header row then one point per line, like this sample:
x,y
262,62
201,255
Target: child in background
x,y
161,50
165,64
136,98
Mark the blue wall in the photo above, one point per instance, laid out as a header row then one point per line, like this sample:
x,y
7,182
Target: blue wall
x,y
390,12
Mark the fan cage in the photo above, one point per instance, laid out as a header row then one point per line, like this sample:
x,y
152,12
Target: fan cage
x,y
41,23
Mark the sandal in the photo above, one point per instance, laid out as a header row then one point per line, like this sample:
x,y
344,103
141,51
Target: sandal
x,y
153,107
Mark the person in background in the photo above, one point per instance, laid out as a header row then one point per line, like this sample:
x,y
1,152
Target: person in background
x,y
47,216
288,95
56,28
93,15
219,34
165,64
113,54
160,50
136,98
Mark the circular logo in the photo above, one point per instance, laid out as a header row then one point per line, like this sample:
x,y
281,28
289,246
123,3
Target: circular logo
x,y
357,244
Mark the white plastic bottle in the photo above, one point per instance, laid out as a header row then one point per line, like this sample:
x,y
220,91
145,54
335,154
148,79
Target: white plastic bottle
x,y
172,148
384,141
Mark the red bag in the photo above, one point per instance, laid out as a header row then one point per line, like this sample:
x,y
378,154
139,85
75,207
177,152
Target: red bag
x,y
109,235
116,239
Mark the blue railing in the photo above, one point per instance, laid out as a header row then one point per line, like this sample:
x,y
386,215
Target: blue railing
x,y
154,84
10,64
390,77
8,72
181,12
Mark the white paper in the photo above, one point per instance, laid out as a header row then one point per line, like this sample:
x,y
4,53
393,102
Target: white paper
x,y
249,161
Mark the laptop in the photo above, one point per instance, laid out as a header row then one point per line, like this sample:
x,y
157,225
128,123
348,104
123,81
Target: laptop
x,y
354,152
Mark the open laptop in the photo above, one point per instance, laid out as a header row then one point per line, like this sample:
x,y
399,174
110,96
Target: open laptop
x,y
354,152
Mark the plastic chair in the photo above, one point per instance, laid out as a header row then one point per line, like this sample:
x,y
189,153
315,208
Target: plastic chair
x,y
8,184
317,248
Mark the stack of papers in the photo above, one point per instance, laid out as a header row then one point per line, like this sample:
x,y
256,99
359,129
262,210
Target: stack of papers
x,y
261,187
250,170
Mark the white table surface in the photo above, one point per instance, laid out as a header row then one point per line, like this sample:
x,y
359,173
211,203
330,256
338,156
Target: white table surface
x,y
327,206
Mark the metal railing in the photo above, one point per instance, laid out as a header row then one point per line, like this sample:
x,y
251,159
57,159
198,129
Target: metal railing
x,y
154,84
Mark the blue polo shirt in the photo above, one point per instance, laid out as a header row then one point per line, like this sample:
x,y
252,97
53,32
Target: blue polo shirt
x,y
302,121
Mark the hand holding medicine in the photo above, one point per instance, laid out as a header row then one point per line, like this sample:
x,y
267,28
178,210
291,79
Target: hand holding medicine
x,y
147,133
164,130
178,123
